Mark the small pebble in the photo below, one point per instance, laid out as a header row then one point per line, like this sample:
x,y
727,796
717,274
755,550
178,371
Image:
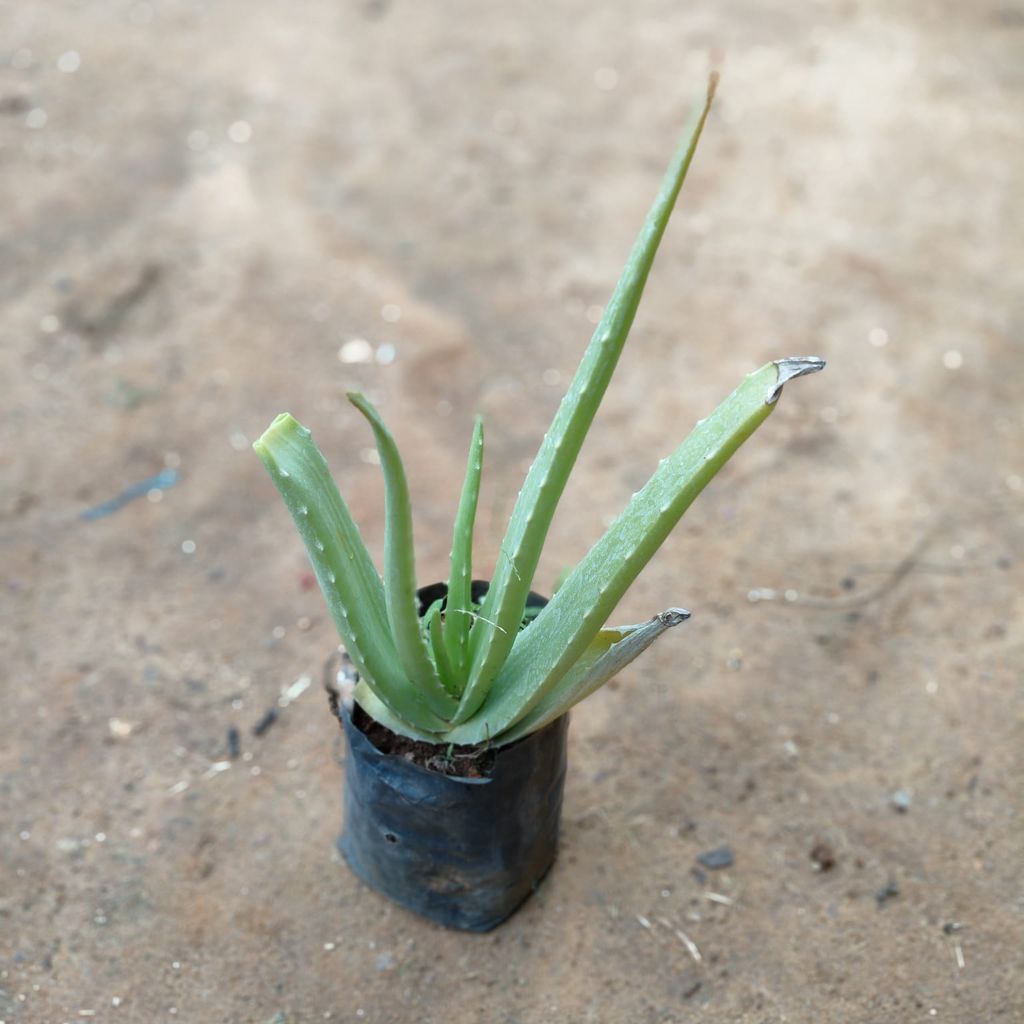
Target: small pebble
x,y
356,350
718,858
69,62
888,892
823,856
240,132
900,801
264,724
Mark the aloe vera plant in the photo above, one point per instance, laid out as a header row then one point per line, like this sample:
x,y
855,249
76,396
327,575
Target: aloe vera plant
x,y
469,674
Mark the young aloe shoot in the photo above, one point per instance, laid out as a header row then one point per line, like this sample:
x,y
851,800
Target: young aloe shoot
x,y
470,673
459,613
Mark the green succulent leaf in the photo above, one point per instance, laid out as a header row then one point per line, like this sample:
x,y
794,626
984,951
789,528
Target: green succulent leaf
x,y
606,655
343,567
459,615
495,630
548,649
400,569
366,697
436,630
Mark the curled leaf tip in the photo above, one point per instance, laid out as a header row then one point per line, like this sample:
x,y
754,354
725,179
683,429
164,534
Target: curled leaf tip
x,y
673,616
792,367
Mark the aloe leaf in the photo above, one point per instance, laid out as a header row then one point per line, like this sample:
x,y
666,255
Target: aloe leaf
x,y
495,630
562,577
436,630
368,700
429,614
545,651
343,566
606,655
458,614
400,569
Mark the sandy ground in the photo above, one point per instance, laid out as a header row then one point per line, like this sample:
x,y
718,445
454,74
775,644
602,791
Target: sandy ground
x,y
205,202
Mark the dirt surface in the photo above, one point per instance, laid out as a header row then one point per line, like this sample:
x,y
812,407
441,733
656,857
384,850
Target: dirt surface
x,y
217,211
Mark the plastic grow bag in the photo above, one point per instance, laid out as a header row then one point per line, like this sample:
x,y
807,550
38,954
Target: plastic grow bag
x,y
463,852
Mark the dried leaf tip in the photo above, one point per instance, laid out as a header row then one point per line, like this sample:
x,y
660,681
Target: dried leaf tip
x,y
792,367
673,616
712,85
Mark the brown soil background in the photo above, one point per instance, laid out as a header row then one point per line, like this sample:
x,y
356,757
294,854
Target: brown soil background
x,y
222,195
